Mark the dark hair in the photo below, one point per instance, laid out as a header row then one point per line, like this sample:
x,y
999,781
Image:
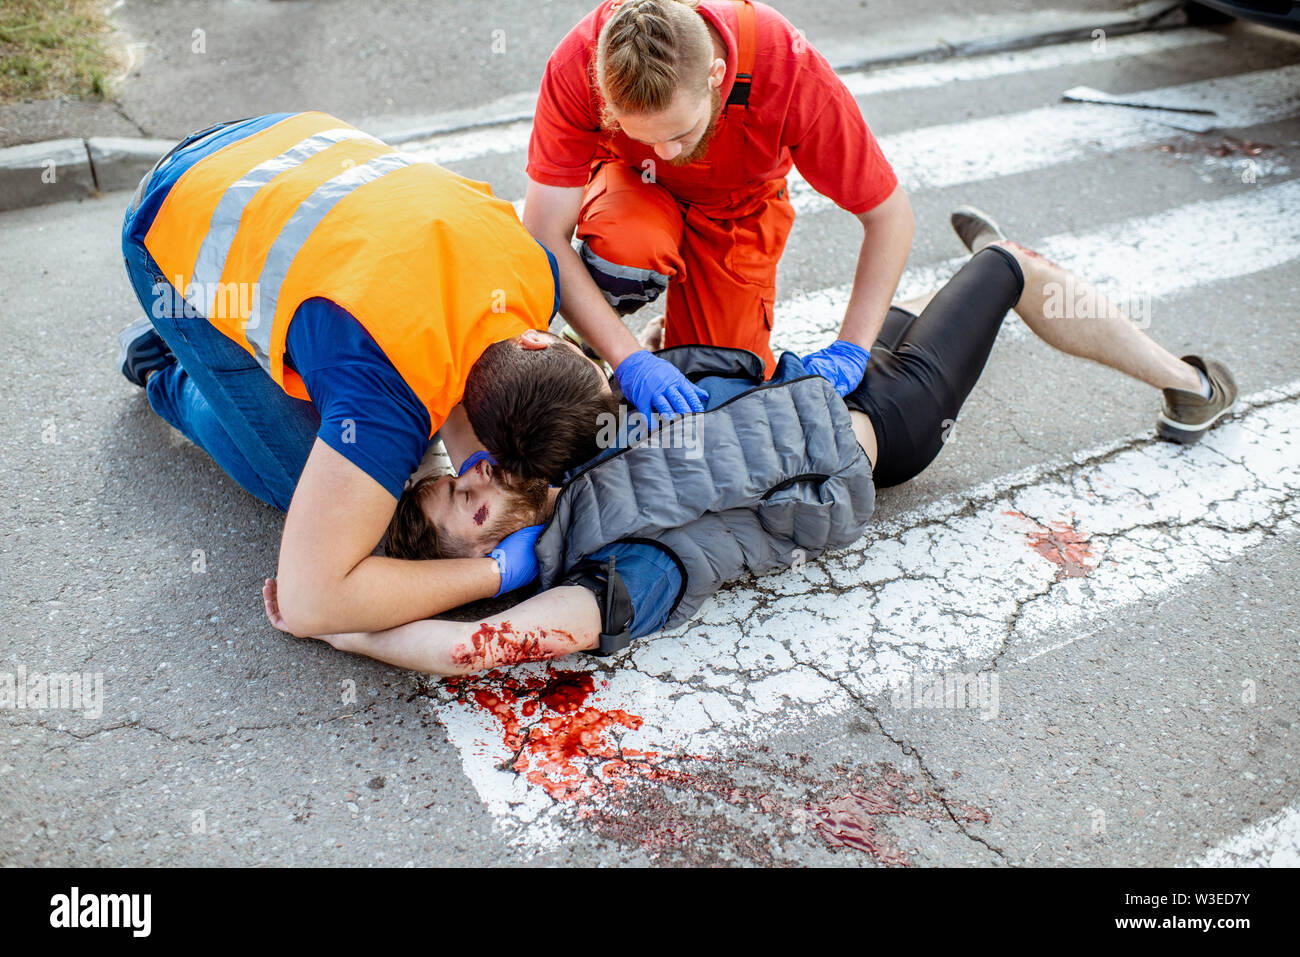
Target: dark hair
x,y
538,411
413,537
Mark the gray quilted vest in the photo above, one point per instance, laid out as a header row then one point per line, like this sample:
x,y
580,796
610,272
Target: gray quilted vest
x,y
766,479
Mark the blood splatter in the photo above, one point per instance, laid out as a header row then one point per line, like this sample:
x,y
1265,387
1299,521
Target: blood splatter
x,y
1062,544
1224,146
851,820
1066,546
497,645
569,748
560,740
655,820
481,515
856,820
1229,145
651,815
1031,253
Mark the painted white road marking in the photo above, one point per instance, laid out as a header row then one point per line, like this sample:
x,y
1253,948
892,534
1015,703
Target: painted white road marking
x,y
991,147
1143,258
935,157
510,114
1031,558
472,144
919,76
1273,842
1146,256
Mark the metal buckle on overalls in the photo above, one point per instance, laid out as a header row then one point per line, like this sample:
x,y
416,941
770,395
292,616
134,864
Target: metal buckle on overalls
x,y
740,90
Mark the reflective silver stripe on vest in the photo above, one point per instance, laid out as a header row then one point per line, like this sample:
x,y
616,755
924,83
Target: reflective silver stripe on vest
x,y
211,262
285,249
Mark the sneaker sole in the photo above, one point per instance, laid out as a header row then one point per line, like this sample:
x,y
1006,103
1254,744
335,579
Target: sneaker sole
x,y
974,213
1184,434
127,340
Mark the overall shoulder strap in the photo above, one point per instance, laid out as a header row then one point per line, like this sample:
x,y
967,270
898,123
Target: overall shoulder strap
x,y
746,42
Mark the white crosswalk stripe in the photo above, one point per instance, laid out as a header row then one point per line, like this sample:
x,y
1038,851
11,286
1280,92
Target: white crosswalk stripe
x,y
936,157
929,75
1036,557
1273,842
1134,263
1031,561
513,137
952,154
510,133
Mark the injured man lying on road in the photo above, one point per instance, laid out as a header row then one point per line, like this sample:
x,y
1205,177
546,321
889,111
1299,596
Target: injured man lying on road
x,y
635,538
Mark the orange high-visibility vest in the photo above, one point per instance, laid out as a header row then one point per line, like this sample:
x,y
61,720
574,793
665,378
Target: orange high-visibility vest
x,y
431,264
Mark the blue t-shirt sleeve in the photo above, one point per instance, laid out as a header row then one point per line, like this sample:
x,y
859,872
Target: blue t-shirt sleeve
x,y
653,580
368,413
555,277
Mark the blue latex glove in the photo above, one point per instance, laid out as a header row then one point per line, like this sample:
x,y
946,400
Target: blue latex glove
x,y
842,363
655,385
473,460
516,558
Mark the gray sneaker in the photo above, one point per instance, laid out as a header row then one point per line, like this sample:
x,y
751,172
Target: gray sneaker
x,y
1187,415
975,228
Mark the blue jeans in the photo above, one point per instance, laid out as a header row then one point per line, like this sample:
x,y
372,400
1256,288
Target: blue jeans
x,y
216,394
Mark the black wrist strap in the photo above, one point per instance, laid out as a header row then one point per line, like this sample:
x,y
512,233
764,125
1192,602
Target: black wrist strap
x,y
611,596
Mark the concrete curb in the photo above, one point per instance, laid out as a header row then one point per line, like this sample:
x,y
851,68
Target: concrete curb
x,y
120,162
58,170
49,172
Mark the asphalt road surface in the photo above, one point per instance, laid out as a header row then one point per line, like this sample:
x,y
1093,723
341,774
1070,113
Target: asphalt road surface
x,y
1119,614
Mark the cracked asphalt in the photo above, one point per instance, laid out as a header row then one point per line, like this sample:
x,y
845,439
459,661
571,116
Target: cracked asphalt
x,y
1136,602
776,652
378,61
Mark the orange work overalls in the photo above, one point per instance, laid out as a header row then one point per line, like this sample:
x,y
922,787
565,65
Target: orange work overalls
x,y
712,240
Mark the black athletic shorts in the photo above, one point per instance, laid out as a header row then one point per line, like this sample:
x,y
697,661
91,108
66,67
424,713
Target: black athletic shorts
x,y
923,367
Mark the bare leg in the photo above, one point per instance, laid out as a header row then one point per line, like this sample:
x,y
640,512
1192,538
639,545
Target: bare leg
x,y
652,336
1102,333
1110,339
865,434
914,306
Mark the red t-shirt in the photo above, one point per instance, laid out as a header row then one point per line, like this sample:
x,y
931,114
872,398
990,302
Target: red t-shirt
x,y
799,110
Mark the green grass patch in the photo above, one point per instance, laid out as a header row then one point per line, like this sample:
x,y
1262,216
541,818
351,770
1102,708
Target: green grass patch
x,y
54,48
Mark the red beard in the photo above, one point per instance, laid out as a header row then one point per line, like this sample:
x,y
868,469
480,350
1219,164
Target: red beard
x,y
702,145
